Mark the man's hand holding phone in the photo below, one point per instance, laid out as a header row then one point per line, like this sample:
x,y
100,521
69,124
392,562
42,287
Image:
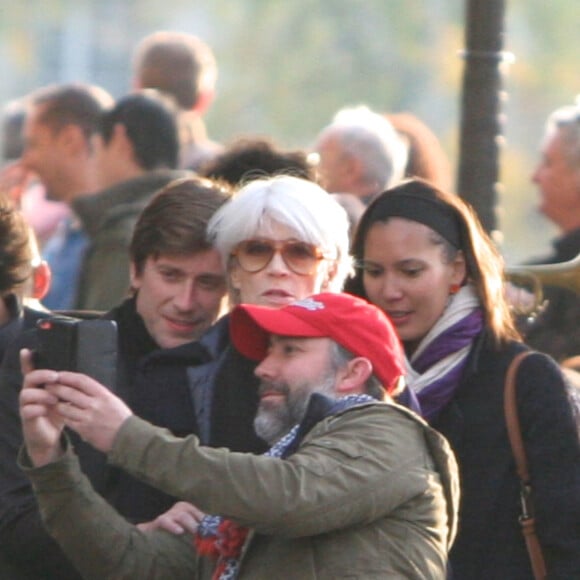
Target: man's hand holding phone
x,y
42,424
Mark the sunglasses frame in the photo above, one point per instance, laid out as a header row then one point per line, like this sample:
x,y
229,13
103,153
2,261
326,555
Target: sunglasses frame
x,y
279,247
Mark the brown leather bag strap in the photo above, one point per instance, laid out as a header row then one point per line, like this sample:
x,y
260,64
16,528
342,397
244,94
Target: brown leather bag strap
x,y
527,520
512,418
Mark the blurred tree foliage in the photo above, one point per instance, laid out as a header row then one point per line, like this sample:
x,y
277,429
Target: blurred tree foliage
x,y
287,66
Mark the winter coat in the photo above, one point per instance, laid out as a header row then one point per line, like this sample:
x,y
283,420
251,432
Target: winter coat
x,y
370,493
109,217
153,383
556,329
490,543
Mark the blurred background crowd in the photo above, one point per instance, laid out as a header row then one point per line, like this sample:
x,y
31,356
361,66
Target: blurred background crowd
x,y
286,67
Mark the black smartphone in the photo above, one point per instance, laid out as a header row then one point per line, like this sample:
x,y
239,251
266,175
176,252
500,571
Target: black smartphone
x,y
82,346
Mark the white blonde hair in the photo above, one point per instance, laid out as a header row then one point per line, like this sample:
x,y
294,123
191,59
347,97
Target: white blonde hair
x,y
302,206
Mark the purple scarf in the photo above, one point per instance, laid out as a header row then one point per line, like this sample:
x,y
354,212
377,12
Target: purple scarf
x,y
439,392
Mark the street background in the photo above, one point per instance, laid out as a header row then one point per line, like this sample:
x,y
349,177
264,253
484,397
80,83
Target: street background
x,y
286,66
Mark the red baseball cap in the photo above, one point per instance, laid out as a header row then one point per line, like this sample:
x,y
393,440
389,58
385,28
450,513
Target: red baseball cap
x,y
359,327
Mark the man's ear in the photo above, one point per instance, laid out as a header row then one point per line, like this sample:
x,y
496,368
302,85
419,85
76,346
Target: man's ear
x,y
134,277
352,377
41,279
73,139
122,143
204,100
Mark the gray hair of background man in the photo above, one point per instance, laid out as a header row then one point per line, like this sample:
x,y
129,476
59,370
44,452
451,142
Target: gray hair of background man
x,y
178,64
300,205
371,137
566,120
72,104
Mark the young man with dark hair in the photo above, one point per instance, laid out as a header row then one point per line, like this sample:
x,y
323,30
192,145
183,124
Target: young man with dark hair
x,y
178,286
351,487
24,279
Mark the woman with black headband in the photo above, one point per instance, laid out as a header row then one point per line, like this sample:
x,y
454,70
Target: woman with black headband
x,y
423,257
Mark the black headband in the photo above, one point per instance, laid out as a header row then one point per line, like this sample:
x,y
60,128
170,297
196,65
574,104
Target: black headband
x,y
428,211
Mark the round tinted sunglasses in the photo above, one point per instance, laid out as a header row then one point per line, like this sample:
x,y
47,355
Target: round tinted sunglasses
x,y
300,257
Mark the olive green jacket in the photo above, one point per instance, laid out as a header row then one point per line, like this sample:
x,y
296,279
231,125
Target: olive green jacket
x,y
109,217
370,493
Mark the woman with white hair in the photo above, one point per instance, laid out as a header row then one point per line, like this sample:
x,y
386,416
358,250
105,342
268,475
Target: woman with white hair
x,y
281,239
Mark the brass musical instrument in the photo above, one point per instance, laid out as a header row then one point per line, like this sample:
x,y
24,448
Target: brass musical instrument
x,y
533,278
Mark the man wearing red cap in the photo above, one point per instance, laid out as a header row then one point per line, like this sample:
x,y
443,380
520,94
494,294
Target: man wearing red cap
x,y
352,486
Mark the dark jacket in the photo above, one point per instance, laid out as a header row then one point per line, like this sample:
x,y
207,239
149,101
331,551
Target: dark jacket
x,y
22,318
490,543
153,383
226,395
556,330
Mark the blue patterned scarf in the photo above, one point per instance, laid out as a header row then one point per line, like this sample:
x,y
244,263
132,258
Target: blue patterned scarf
x,y
223,539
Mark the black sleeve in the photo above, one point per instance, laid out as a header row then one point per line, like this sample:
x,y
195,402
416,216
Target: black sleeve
x,y
556,330
553,450
27,551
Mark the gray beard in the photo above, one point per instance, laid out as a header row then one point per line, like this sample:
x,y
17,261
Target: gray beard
x,y
272,423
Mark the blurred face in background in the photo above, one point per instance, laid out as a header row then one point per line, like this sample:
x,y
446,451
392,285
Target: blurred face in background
x,y
43,152
106,159
333,165
406,275
559,184
63,158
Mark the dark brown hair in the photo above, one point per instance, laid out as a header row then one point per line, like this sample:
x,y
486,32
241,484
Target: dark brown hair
x,y
175,219
483,262
15,248
250,158
426,158
74,104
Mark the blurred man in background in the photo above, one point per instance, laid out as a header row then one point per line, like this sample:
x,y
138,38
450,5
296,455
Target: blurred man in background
x,y
184,67
22,185
61,122
254,157
556,330
360,153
